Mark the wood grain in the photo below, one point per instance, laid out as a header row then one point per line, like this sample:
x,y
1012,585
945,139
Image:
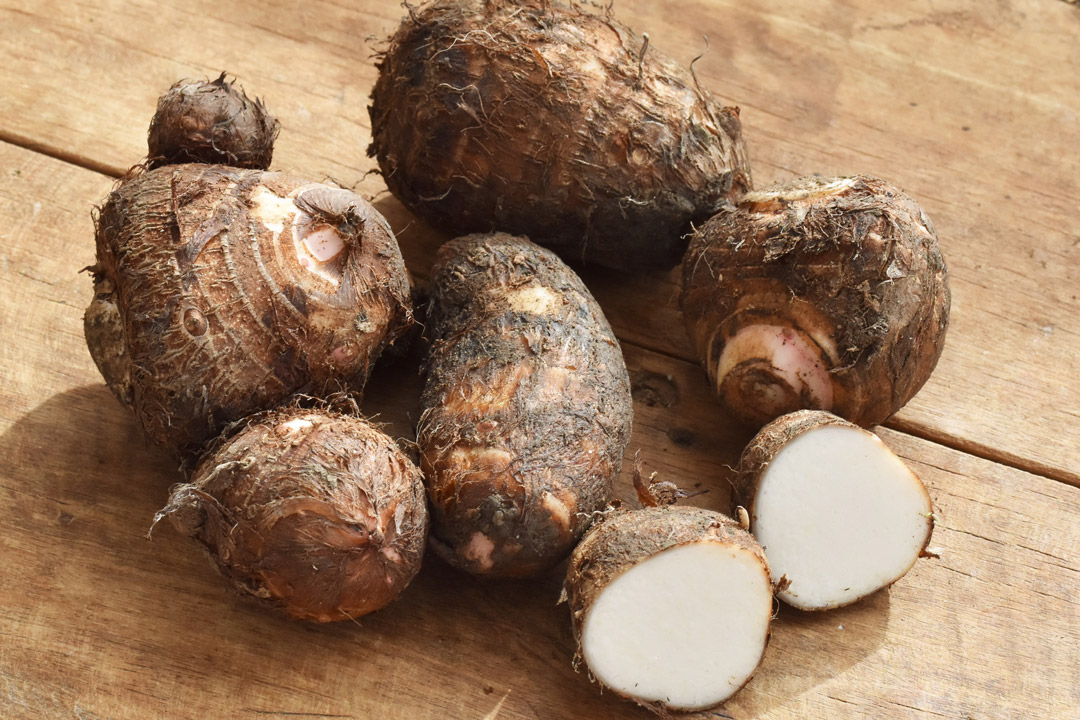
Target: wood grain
x,y
102,623
975,110
973,107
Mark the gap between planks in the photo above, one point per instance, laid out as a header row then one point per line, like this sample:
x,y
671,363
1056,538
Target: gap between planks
x,y
970,447
917,430
70,158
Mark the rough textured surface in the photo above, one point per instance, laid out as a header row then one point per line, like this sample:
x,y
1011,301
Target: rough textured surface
x,y
553,122
104,331
211,301
319,514
944,100
211,122
526,409
622,539
850,267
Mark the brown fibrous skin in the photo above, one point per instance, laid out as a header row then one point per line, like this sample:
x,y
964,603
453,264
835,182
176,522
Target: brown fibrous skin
x,y
211,122
104,331
846,271
220,292
316,513
526,409
547,120
624,538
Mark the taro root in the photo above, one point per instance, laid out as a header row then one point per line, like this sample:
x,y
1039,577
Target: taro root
x,y
315,513
211,122
821,293
220,292
546,120
526,406
670,606
104,331
839,515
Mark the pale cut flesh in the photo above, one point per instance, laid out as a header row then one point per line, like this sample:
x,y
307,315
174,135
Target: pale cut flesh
x,y
840,516
685,628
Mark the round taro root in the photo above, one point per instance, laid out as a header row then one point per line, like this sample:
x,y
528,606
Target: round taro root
x,y
547,120
211,122
822,293
839,515
318,514
526,406
220,292
670,606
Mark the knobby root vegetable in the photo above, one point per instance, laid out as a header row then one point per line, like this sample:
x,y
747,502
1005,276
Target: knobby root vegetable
x,y
670,606
546,120
316,513
526,409
839,515
211,122
220,292
104,331
822,293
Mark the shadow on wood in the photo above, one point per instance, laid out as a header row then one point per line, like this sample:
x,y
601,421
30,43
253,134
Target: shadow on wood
x,y
79,451
808,649
106,613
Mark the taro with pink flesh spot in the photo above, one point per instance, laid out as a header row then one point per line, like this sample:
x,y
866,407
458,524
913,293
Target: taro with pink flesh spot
x,y
220,292
821,293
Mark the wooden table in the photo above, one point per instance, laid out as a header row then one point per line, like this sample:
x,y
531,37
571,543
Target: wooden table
x,y
972,107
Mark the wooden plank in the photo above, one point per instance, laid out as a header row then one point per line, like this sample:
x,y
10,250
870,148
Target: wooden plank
x,y
102,623
952,641
974,110
76,65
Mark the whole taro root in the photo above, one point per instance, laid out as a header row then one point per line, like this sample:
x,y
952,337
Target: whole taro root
x,y
821,293
542,119
315,513
211,122
526,406
220,292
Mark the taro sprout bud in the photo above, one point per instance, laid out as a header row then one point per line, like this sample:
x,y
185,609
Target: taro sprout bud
x,y
211,122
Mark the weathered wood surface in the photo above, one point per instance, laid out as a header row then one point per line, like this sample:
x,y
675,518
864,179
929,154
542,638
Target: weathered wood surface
x,y
974,110
101,622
